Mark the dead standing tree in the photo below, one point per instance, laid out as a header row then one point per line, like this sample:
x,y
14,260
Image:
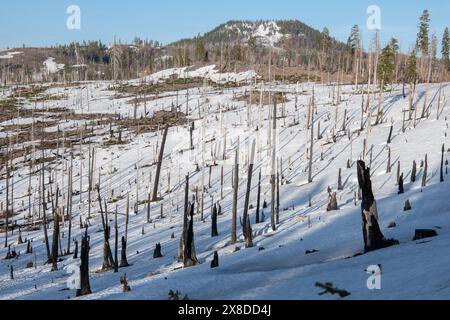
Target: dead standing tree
x,y
373,237
158,169
85,287
108,260
190,258
246,224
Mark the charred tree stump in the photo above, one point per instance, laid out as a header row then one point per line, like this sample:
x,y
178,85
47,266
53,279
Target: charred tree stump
x,y
215,261
332,202
414,172
407,206
85,287
190,257
157,252
340,186
214,232
425,172
258,200
373,237
401,189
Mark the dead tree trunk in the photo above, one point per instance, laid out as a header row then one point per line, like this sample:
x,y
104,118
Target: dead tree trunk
x,y
116,243
108,260
190,258
160,160
401,189
340,186
373,237
123,254
85,287
44,215
157,252
245,218
215,261
235,198
55,240
414,172
442,163
214,232
258,200
425,173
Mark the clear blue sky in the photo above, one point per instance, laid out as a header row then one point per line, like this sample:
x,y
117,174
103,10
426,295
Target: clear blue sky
x,y
43,22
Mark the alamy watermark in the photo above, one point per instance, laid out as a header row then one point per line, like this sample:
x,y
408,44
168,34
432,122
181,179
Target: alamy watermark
x,y
374,19
374,280
74,20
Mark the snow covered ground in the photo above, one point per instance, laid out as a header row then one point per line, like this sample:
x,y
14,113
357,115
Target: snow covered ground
x,y
277,266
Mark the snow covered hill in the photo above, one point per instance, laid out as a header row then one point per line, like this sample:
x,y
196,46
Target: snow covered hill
x,y
277,267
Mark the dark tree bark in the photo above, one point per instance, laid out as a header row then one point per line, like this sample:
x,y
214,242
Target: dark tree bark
x,y
123,255
108,260
389,167
54,257
340,187
215,261
248,234
44,208
390,134
160,160
414,172
75,254
425,172
245,218
258,200
401,189
85,287
157,252
181,249
373,237
190,257
116,243
235,198
442,163
214,232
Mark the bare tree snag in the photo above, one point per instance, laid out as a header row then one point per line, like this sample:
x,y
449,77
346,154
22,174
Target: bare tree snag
x,y
425,172
340,186
215,261
160,160
116,242
123,255
85,287
157,252
442,163
401,189
214,232
414,172
258,200
190,257
108,260
373,237
54,256
235,198
245,217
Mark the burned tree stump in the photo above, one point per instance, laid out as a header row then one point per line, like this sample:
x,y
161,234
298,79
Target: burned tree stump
x,y
215,261
407,206
340,186
85,287
157,252
124,283
160,160
214,232
123,255
401,189
190,257
29,247
424,233
332,202
373,237
414,172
